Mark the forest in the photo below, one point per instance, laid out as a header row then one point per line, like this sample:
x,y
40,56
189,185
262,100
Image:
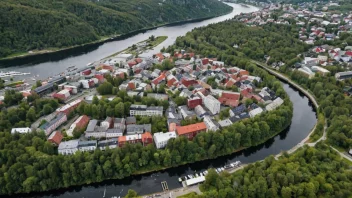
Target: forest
x,y
29,163
309,172
27,25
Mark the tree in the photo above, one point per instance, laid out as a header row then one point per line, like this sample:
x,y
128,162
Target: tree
x,y
105,88
95,100
131,194
47,109
31,115
38,83
120,110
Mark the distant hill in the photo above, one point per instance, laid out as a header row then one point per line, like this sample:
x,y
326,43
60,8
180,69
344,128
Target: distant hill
x,y
40,24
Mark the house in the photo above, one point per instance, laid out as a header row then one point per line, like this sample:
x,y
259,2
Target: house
x,y
107,123
161,139
90,145
229,98
21,130
68,147
130,120
133,129
158,96
55,138
237,110
53,124
120,123
68,108
193,102
343,75
79,124
145,139
113,133
200,112
225,123
212,104
110,143
190,131
255,112
185,113
276,103
143,110
210,124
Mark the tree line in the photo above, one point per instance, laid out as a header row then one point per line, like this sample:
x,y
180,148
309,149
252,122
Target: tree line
x,y
41,24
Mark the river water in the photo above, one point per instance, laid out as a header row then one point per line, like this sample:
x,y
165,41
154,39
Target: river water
x,y
304,117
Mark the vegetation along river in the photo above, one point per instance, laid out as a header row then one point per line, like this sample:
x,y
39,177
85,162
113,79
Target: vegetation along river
x,y
304,117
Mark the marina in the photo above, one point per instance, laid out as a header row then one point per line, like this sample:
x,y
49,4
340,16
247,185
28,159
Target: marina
x,y
196,178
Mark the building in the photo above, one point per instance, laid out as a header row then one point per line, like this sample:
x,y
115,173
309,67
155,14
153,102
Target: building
x,y
68,147
110,143
190,131
158,96
44,89
225,123
145,139
120,123
212,104
237,110
133,129
200,112
185,113
343,75
211,125
229,98
113,133
193,102
130,120
68,108
107,123
161,139
53,124
255,112
55,138
90,145
276,103
62,95
143,110
79,124
21,130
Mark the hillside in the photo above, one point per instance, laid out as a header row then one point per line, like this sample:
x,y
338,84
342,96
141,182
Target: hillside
x,y
40,24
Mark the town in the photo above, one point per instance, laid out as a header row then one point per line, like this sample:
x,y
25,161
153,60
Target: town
x,y
196,95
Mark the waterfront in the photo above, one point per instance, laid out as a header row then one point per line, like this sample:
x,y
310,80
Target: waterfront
x,y
304,119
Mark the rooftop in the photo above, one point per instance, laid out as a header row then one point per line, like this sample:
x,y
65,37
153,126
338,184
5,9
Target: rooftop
x,y
191,128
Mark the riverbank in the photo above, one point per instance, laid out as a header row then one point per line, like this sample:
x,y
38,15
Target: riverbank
x,y
53,51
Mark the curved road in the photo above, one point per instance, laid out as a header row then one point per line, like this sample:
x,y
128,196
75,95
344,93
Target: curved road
x,y
313,100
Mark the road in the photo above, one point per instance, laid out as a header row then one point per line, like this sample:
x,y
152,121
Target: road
x,y
313,100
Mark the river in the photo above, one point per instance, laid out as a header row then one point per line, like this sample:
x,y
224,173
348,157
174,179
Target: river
x,y
304,117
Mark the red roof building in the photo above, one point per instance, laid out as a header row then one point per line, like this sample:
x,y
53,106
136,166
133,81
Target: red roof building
x,y
55,137
108,67
82,122
247,93
131,86
132,63
138,60
190,131
100,77
192,103
205,61
188,82
230,99
244,72
145,138
157,80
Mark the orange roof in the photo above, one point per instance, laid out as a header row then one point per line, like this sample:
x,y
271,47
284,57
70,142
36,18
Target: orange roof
x,y
146,135
181,130
122,139
172,126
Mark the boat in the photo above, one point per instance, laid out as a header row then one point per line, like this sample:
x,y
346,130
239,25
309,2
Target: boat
x,y
180,179
71,66
11,73
197,175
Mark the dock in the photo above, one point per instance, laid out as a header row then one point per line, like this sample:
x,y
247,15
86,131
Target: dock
x,y
164,186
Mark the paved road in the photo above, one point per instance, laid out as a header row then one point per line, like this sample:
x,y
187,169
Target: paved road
x,y
312,99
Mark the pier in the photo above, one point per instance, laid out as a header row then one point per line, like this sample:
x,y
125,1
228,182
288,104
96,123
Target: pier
x,y
164,186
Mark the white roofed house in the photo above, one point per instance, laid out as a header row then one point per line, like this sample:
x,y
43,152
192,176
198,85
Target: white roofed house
x,y
276,103
90,145
21,130
120,123
210,124
212,104
255,112
68,147
161,139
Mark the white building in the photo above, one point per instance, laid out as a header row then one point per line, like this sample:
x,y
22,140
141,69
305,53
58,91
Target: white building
x,y
212,104
276,103
161,139
68,147
21,130
211,126
255,112
107,122
143,110
87,145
